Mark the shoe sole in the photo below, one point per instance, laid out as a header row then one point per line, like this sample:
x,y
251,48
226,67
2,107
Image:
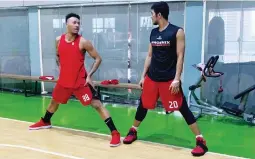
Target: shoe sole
x,y
114,145
127,143
42,127
199,155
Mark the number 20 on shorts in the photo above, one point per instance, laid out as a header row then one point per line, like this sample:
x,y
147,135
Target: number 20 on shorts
x,y
173,104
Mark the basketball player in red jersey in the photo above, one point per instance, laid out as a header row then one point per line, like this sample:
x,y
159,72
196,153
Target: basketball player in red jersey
x,y
73,78
162,76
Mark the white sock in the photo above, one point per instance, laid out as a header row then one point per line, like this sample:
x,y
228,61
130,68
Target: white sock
x,y
134,127
199,136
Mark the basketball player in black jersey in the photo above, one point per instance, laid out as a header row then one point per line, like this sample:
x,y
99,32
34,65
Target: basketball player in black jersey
x,y
162,76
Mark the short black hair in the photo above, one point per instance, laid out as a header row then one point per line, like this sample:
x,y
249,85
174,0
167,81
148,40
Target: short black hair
x,y
161,7
72,15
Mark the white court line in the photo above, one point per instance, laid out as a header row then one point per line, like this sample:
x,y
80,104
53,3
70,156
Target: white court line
x,y
154,143
40,150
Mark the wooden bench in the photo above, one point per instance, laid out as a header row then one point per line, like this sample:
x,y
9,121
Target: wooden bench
x,y
36,79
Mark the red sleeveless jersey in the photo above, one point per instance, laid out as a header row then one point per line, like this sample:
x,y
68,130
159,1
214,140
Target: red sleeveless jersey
x,y
71,59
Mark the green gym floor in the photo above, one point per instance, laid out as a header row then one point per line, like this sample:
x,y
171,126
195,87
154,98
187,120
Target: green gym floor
x,y
223,135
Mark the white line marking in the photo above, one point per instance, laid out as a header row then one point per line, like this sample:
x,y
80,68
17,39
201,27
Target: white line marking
x,y
40,150
154,143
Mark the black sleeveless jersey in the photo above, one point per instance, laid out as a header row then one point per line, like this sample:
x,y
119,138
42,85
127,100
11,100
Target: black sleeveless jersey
x,y
164,56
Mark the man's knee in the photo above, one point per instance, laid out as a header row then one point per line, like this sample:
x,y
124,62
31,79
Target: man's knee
x,y
54,103
141,112
186,113
53,106
95,103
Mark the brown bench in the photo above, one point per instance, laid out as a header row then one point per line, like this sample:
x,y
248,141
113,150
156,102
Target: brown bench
x,y
36,79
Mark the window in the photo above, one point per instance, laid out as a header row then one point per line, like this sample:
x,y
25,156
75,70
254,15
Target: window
x,y
252,20
239,33
105,28
103,25
248,43
231,20
58,23
249,25
145,22
109,23
97,25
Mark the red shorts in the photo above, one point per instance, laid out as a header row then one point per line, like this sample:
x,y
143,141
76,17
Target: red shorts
x,y
153,90
83,93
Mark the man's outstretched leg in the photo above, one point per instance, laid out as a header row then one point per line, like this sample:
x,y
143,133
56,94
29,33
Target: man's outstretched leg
x,y
139,117
201,147
59,95
104,114
177,101
45,122
89,96
148,100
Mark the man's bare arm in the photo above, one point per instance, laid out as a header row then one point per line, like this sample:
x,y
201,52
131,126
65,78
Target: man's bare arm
x,y
147,61
57,55
87,45
180,37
